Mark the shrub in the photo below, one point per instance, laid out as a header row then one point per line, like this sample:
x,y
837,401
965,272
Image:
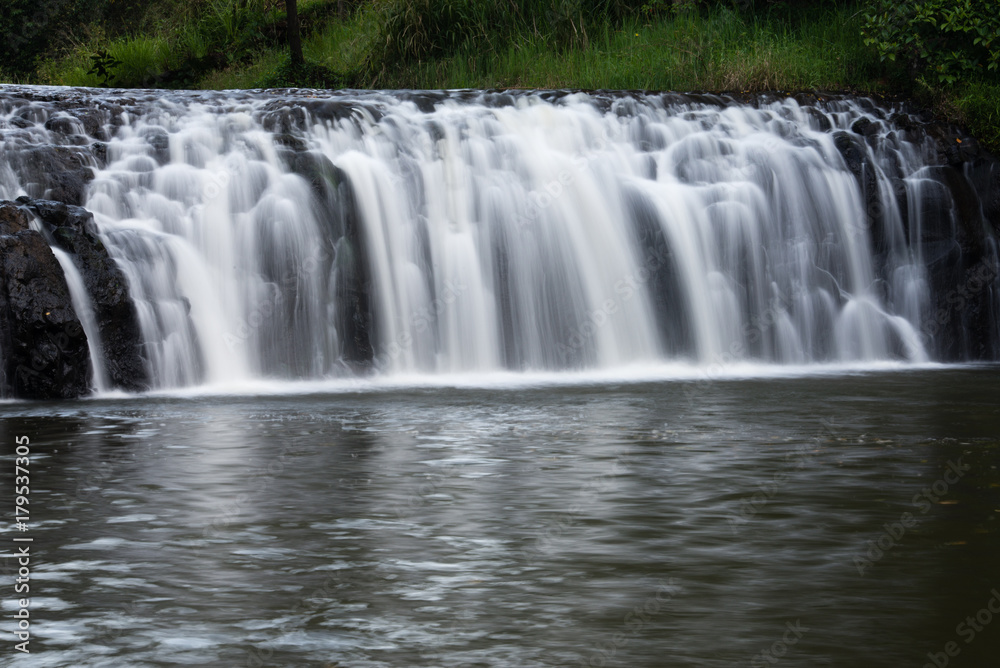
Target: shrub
x,y
28,28
947,39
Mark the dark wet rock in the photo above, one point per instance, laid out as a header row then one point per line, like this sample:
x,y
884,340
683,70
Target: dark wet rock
x,y
54,172
672,308
290,141
159,140
899,192
985,178
314,167
72,229
93,121
820,120
337,110
972,230
355,320
100,152
953,146
283,119
64,124
427,101
498,99
864,127
43,349
936,213
959,228
32,113
87,124
436,131
346,256
858,160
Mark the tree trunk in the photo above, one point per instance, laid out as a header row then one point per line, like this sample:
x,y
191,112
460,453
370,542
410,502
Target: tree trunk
x,y
294,41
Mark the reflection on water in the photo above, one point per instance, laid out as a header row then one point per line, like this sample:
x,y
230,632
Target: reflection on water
x,y
652,524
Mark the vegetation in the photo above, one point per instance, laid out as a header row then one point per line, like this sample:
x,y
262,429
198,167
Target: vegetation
x,y
947,39
719,49
944,53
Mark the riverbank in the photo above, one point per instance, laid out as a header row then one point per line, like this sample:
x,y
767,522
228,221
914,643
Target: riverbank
x,y
717,49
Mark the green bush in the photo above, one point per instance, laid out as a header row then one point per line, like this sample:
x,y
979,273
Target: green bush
x,y
29,28
948,39
979,104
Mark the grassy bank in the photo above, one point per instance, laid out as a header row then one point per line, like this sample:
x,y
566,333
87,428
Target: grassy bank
x,y
719,50
219,44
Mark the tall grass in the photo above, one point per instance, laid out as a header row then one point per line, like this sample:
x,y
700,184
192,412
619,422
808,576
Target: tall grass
x,y
141,60
717,50
499,43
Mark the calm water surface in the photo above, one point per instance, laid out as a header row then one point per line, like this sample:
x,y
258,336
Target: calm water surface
x,y
645,524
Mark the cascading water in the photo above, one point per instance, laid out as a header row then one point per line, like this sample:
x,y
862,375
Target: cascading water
x,y
302,239
85,311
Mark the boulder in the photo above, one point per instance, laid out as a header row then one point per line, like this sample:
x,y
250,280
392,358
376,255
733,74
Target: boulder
x,y
72,229
55,172
43,348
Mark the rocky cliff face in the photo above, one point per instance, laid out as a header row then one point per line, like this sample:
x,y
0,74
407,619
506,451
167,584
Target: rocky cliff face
x,y
72,229
956,215
43,347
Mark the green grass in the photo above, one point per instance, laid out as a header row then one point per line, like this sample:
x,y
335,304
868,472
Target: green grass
x,y
344,46
264,66
720,51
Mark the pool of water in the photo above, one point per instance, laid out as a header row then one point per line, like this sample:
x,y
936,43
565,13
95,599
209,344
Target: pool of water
x,y
848,519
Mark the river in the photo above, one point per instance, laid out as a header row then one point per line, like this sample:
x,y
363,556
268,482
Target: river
x,y
812,517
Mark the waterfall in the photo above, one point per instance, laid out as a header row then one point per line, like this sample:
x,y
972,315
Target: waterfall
x,y
85,311
303,238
